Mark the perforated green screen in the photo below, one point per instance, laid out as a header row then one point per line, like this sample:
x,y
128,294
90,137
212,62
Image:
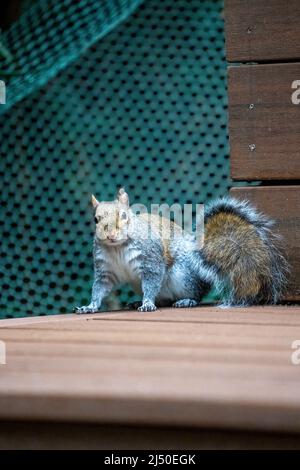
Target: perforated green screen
x,y
144,107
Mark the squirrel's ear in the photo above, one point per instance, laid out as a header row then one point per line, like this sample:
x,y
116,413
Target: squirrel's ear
x,y
95,202
123,197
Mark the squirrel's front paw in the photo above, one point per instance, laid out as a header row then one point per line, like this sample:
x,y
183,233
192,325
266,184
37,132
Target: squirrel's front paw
x,y
147,306
92,308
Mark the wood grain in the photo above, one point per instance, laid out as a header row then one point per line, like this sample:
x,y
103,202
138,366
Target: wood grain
x,y
202,367
282,203
264,128
262,30
205,314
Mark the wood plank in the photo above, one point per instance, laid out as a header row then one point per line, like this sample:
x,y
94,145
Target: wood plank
x,y
193,336
282,315
262,31
153,370
130,367
133,368
40,319
162,339
264,129
230,386
208,353
154,326
212,402
282,203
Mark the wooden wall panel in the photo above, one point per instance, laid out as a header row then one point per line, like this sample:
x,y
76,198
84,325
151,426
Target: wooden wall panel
x,y
258,30
282,203
264,121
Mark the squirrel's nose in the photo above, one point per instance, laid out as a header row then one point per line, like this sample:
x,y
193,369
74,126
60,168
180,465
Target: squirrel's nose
x,y
112,236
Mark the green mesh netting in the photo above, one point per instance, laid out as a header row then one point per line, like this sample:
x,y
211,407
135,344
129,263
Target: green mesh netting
x,y
143,107
51,34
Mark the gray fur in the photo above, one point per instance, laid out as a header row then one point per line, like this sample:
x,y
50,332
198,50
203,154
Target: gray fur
x,y
139,260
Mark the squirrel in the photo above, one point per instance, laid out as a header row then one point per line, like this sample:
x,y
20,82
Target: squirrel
x,y
240,256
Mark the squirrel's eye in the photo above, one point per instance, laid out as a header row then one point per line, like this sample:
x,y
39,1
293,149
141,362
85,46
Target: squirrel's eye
x,y
96,220
123,215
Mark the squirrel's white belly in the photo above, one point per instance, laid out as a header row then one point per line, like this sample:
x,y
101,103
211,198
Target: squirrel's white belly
x,y
124,265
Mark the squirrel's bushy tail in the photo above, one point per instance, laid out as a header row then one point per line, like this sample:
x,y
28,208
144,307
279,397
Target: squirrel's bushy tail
x,y
244,253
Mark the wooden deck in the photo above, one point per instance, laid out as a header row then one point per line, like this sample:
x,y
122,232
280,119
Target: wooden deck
x,y
202,368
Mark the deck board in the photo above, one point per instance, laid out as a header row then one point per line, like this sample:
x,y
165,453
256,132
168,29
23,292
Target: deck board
x,y
201,367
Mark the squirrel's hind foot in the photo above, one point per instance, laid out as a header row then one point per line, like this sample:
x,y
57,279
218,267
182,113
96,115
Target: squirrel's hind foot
x,y
185,303
147,306
86,309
